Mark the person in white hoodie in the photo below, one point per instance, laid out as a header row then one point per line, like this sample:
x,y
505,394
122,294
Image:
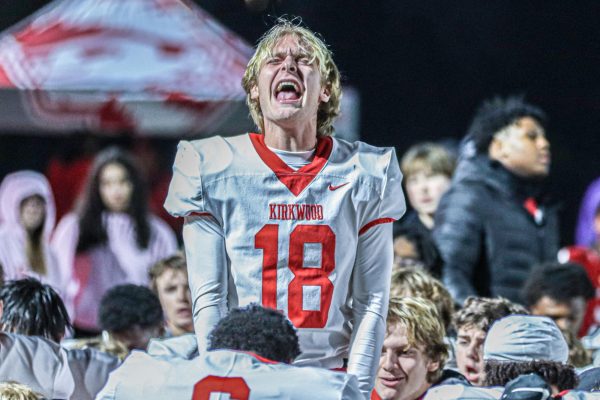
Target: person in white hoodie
x,y
27,217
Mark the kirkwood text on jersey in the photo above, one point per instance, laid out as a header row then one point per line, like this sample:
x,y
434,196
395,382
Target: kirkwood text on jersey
x,y
307,212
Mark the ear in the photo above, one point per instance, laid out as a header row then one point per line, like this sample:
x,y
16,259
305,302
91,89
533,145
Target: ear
x,y
325,94
496,148
254,92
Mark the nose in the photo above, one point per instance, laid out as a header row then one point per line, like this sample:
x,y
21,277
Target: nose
x,y
289,63
543,142
388,360
474,352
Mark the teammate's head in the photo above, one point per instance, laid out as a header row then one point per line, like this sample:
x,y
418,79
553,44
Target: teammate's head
x,y
414,352
472,322
416,282
316,51
559,291
132,314
169,280
259,330
34,309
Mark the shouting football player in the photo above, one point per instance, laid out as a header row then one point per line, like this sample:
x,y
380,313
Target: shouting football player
x,y
290,217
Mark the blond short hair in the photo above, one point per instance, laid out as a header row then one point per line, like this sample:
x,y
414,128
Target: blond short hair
x,y
317,50
423,329
15,391
430,157
416,282
175,262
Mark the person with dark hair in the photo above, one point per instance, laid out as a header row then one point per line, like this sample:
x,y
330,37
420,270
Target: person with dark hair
x,y
131,314
523,344
34,309
415,248
111,239
495,222
169,280
290,216
559,291
249,357
472,322
27,217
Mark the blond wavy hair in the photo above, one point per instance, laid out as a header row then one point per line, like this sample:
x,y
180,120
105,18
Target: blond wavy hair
x,y
316,48
12,390
416,282
423,328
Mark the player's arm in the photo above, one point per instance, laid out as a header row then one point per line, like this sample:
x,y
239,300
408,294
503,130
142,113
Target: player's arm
x,y
203,238
207,274
457,234
372,271
370,288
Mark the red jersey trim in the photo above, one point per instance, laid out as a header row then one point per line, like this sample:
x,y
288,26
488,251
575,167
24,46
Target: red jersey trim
x,y
260,358
373,223
295,181
375,395
199,214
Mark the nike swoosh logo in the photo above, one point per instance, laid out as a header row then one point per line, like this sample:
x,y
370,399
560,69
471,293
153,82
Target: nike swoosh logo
x,y
332,188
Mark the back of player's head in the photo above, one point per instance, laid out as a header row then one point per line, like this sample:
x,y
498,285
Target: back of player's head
x,y
423,328
259,330
416,282
482,312
33,308
125,306
560,282
316,49
429,158
498,113
16,391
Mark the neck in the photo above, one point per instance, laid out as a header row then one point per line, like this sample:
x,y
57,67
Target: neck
x,y
291,138
179,330
427,220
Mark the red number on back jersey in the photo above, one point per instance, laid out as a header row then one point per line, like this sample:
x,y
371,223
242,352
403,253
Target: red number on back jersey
x,y
235,387
311,275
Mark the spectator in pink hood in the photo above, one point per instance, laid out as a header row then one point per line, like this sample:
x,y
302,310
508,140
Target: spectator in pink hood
x,y
111,239
26,223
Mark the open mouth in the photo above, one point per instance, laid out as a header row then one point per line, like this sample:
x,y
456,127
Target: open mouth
x,y
288,91
389,382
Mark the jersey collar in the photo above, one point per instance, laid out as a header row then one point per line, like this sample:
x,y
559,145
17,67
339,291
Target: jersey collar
x,y
295,181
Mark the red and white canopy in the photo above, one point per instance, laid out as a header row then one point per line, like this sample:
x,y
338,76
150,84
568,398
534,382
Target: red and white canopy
x,y
161,67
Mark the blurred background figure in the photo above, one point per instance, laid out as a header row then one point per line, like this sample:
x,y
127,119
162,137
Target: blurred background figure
x,y
131,314
559,291
415,248
111,239
169,281
427,170
587,252
26,223
472,323
495,222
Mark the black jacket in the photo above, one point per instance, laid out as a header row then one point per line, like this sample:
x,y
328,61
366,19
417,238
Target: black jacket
x,y
488,240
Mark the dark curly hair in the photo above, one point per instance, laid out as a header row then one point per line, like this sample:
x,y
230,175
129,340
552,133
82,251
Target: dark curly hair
x,y
498,113
125,306
260,330
34,309
92,231
561,282
499,373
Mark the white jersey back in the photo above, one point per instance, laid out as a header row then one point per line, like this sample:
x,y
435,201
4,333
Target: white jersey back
x,y
224,374
291,235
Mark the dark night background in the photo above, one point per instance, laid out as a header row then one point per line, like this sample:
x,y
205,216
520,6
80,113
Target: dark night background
x,y
423,66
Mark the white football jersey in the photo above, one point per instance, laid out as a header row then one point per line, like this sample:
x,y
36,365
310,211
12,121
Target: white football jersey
x,y
224,374
291,236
